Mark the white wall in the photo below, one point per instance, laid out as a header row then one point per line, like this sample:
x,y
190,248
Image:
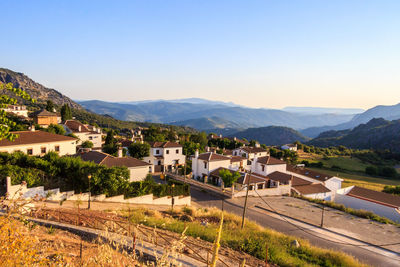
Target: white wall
x,y
257,168
169,159
139,173
359,204
278,191
66,148
332,184
198,166
95,138
324,196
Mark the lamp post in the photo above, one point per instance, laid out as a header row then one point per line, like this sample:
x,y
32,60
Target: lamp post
x,y
172,198
89,177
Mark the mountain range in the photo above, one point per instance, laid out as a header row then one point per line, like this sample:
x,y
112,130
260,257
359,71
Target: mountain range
x,y
328,126
376,133
179,113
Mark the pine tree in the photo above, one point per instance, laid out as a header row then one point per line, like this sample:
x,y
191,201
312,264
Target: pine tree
x,y
66,113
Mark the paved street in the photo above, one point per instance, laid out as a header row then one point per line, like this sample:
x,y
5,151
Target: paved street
x,y
370,255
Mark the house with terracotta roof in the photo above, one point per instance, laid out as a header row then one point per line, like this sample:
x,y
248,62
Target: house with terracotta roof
x,y
17,110
267,164
84,132
165,156
291,147
315,190
203,164
44,118
250,152
138,169
38,143
332,182
380,203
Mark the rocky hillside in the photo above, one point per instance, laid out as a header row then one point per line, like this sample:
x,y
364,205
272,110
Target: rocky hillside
x,y
34,89
378,134
272,135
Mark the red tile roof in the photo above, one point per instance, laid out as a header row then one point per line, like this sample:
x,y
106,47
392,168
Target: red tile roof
x,y
267,160
311,189
111,161
74,125
45,113
309,173
164,144
281,177
296,181
253,179
375,196
209,156
237,159
35,137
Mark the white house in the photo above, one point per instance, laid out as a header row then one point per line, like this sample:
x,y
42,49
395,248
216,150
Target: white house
x,y
17,110
267,164
165,156
38,143
333,183
250,152
310,189
291,147
380,203
207,162
138,169
84,132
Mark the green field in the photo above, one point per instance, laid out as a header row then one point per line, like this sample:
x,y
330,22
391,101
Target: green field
x,y
374,183
352,170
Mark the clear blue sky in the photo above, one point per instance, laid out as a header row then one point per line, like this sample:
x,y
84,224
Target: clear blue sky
x,y
256,53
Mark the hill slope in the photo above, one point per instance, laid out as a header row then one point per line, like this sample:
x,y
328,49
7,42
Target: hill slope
x,y
377,134
272,135
34,89
168,112
385,112
205,124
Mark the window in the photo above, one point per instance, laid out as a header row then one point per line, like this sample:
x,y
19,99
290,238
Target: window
x,y
157,151
205,165
177,151
167,151
29,151
263,168
260,186
57,148
90,137
43,150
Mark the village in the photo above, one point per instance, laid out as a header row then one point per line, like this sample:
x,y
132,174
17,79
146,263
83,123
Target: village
x,y
240,172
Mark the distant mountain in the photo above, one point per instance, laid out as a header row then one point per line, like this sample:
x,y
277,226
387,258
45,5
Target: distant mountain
x,y
377,134
205,124
34,89
168,112
385,112
185,100
322,110
272,135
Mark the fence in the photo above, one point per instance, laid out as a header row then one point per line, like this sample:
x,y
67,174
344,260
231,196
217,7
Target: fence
x,y
120,225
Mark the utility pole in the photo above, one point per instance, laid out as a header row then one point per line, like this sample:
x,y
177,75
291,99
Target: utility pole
x,y
89,177
322,218
245,201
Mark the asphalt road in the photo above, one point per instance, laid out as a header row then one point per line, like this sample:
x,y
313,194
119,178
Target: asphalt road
x,y
236,206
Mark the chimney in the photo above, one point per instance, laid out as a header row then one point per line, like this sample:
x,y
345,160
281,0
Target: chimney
x,y
207,148
79,128
120,154
234,139
220,135
257,144
32,128
196,154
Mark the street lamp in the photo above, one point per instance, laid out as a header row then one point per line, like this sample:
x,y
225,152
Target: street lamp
x,y
172,199
89,177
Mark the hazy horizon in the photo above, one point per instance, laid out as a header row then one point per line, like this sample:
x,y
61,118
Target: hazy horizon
x,y
260,54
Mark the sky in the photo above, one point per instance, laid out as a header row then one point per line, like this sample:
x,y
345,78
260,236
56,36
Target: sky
x,y
268,54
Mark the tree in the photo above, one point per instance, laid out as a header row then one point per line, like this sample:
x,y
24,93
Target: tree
x,y
87,144
56,129
110,140
138,150
50,106
200,138
5,101
228,177
66,113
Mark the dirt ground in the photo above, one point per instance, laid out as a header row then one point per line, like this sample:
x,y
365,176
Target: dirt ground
x,y
335,220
